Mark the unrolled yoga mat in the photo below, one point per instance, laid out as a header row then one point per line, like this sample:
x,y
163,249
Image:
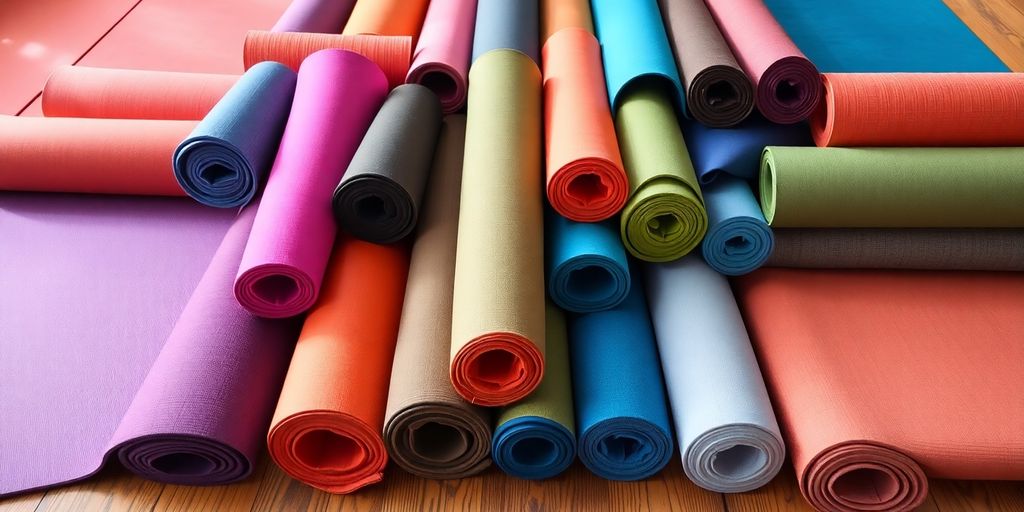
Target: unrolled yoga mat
x,y
728,435
441,59
664,218
536,437
738,239
325,16
387,18
556,15
880,378
622,418
737,150
587,269
893,187
430,431
226,158
787,86
921,249
327,428
497,352
391,53
501,24
337,94
585,178
718,92
378,200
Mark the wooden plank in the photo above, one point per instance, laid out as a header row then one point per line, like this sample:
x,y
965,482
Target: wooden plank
x,y
113,489
999,23
24,503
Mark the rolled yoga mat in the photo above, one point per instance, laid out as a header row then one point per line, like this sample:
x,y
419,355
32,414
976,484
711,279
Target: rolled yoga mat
x,y
916,380
337,94
556,15
587,269
664,218
326,16
226,158
327,428
536,437
737,151
727,432
739,240
497,352
441,59
893,187
387,18
585,178
787,87
504,25
430,431
378,199
718,92
921,109
622,419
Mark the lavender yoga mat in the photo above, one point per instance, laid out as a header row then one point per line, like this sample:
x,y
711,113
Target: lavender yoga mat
x,y
326,16
441,59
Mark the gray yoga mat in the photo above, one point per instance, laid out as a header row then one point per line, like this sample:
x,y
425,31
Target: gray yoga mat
x,y
507,24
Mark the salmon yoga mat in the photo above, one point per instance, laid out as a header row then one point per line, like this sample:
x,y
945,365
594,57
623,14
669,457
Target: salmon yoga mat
x,y
556,15
585,178
337,95
387,18
497,352
587,269
905,388
326,431
441,59
501,24
738,240
324,16
737,150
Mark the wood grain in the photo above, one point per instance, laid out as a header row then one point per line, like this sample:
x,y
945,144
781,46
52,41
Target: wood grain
x,y
1000,23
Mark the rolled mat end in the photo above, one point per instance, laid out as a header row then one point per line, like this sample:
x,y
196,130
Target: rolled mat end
x,y
588,190
439,441
789,90
445,81
375,209
720,96
184,460
589,283
625,449
533,447
275,291
767,185
734,458
497,369
861,475
664,221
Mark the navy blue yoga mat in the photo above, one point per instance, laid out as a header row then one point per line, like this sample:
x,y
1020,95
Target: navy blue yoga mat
x,y
737,151
507,24
738,240
587,269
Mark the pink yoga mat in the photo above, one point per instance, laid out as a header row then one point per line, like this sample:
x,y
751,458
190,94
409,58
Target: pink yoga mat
x,y
441,59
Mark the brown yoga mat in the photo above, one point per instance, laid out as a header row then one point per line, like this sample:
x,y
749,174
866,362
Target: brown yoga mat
x,y
556,15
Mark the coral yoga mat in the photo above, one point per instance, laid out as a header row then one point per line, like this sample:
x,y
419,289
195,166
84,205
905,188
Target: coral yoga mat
x,y
441,59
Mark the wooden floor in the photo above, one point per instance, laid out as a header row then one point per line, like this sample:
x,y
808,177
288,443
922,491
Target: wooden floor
x,y
1000,23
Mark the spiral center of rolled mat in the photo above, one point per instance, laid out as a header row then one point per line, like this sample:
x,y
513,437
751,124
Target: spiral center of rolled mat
x,y
276,289
588,188
664,226
183,464
739,462
788,92
497,369
323,449
534,451
215,174
868,486
372,208
441,83
721,94
738,246
591,282
625,449
439,442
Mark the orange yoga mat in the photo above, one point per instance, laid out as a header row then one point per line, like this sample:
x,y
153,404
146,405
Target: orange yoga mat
x,y
556,15
880,378
387,18
920,109
327,428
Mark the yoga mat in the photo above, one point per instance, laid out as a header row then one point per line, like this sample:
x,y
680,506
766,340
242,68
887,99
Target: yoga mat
x,y
664,218
41,154
921,109
501,24
80,91
893,187
738,239
497,352
923,249
718,93
387,18
621,414
635,49
326,431
587,269
536,437
737,151
441,59
337,94
556,15
326,16
224,160
728,435
391,53
921,376
429,430
585,179
378,200
787,86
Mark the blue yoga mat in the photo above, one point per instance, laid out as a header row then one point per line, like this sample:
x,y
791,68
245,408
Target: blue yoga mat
x,y
224,160
737,151
587,268
738,240
621,410
507,24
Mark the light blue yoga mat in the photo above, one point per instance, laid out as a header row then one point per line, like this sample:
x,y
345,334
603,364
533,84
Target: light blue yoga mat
x,y
587,269
507,24
738,240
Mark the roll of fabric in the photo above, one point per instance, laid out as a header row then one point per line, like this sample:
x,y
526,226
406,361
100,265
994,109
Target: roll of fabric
x,y
497,353
587,268
81,91
429,430
585,178
787,87
893,187
635,49
326,431
326,16
504,25
536,437
556,15
718,93
921,109
621,414
441,59
391,53
337,94
664,218
387,18
737,151
225,159
912,249
727,432
378,199
739,240
76,155
905,389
